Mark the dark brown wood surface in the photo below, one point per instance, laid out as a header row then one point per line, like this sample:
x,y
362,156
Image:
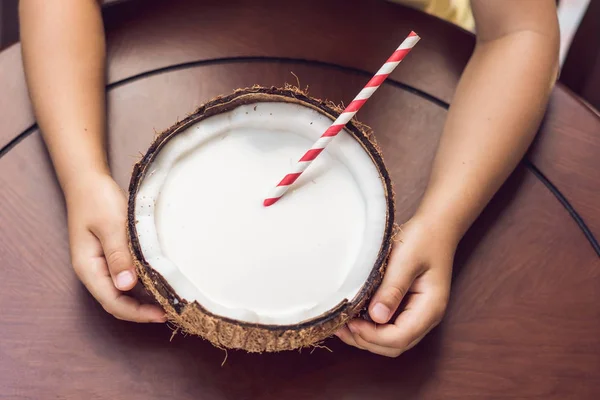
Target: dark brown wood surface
x,y
567,151
523,320
144,36
581,70
16,111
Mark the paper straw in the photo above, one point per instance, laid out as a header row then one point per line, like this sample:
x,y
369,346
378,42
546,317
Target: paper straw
x,y
335,128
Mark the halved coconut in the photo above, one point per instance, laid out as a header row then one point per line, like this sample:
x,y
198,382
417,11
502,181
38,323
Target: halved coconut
x,y
250,277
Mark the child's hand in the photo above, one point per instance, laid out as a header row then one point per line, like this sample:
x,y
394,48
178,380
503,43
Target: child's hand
x,y
419,272
99,248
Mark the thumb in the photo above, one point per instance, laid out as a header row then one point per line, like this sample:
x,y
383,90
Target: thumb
x,y
399,276
116,251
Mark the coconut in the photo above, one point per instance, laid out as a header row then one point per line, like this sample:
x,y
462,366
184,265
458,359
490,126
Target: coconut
x,y
245,276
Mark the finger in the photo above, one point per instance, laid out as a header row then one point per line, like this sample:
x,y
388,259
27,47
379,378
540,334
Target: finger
x,y
129,309
90,266
98,281
375,348
424,313
401,271
346,336
380,335
114,242
385,339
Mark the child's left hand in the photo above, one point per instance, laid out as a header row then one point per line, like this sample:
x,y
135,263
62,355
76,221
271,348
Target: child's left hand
x,y
419,271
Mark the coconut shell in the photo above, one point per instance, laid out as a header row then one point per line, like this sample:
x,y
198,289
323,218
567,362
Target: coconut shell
x,y
191,317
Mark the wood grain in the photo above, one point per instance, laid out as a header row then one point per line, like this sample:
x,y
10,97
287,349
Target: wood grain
x,y
212,29
143,36
522,322
9,25
581,70
567,151
16,113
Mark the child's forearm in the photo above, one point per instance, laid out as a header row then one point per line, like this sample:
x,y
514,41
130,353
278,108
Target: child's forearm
x,y
492,121
64,54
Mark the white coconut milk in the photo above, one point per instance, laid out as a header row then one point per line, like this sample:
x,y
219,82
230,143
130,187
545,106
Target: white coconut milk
x,y
203,226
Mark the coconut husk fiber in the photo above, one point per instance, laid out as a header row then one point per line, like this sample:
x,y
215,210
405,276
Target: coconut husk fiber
x,y
192,318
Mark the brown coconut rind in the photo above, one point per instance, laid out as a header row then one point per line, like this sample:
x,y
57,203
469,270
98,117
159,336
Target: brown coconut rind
x,y
193,318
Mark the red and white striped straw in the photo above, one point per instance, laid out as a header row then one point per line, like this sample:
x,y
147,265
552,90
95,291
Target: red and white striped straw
x,y
343,119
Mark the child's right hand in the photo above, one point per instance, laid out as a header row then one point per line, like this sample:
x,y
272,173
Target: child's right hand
x,y
100,255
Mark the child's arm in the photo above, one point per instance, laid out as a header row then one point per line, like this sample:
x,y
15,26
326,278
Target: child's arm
x,y
493,118
64,54
497,108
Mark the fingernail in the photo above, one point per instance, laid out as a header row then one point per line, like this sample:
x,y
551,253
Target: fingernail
x,y
125,279
380,312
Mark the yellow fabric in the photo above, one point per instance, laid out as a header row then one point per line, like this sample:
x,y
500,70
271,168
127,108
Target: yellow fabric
x,y
455,11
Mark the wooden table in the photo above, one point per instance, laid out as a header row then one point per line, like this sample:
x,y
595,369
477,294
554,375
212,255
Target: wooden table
x,y
524,317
